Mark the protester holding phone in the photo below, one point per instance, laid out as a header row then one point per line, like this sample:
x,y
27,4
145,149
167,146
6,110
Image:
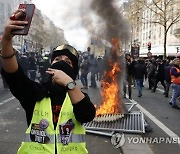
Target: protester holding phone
x,y
56,109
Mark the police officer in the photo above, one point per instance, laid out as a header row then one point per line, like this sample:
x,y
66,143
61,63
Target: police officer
x,y
54,109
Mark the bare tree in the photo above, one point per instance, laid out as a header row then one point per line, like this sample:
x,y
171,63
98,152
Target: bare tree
x,y
165,13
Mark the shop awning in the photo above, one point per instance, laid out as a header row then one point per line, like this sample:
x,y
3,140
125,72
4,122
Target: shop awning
x,y
171,50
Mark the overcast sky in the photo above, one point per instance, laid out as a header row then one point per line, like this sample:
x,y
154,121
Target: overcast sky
x,y
72,16
66,15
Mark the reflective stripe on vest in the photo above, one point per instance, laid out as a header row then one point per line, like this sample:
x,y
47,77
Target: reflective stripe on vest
x,y
28,139
76,138
174,79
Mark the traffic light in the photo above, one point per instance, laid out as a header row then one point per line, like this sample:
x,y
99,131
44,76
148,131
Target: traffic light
x,y
149,46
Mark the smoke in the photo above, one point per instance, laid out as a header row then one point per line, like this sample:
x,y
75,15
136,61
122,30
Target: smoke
x,y
104,20
115,24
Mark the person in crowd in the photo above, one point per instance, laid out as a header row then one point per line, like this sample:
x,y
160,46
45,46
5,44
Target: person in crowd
x,y
167,78
134,61
159,75
100,68
55,110
175,79
32,66
84,67
151,68
139,74
93,69
79,62
23,61
43,64
128,78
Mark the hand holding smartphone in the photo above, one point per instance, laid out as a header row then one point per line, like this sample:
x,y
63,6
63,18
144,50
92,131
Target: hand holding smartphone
x,y
26,15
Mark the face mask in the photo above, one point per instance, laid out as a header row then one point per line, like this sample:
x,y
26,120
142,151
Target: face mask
x,y
66,68
56,89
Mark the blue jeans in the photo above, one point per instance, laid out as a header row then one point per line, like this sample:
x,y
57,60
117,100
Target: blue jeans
x,y
139,84
93,80
175,93
84,79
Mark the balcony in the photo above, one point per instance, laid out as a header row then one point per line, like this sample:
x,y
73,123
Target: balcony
x,y
177,32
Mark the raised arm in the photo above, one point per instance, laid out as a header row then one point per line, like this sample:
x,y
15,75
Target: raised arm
x,y
8,57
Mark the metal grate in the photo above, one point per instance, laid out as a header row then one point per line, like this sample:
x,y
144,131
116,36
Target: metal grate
x,y
131,123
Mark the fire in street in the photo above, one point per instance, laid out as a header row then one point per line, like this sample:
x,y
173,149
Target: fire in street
x,y
111,99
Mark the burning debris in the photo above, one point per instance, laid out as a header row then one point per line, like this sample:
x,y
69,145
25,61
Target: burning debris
x,y
110,92
108,117
131,123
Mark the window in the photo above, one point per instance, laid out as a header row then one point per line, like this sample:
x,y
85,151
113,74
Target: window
x,y
171,29
159,31
149,34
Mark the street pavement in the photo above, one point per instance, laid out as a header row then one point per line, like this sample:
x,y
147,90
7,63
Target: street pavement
x,y
163,119
13,125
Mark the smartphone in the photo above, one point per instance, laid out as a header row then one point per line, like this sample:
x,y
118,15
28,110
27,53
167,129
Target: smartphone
x,y
29,12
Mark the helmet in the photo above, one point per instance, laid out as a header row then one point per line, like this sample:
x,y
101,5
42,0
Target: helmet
x,y
69,51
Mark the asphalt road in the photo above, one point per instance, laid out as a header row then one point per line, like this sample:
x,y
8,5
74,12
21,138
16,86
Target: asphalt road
x,y
158,106
13,124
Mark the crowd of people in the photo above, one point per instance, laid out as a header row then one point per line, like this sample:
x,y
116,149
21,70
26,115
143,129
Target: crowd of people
x,y
167,72
137,71
89,64
34,65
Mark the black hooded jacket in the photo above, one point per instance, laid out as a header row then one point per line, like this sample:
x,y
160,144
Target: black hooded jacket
x,y
29,92
139,70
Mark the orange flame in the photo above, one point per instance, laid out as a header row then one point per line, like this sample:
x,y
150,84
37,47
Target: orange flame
x,y
110,87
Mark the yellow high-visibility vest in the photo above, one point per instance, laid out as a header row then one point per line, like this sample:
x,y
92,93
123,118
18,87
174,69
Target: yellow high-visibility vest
x,y
41,138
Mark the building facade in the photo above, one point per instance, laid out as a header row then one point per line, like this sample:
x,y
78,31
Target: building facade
x,y
6,9
147,27
39,37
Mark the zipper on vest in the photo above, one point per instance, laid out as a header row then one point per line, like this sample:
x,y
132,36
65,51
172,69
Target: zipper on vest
x,y
55,145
